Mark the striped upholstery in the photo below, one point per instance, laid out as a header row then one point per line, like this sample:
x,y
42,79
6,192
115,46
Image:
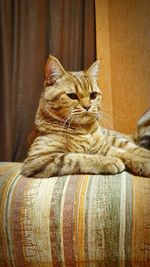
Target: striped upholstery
x,y
77,220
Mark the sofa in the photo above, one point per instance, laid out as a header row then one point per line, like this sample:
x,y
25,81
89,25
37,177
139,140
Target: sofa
x,y
74,220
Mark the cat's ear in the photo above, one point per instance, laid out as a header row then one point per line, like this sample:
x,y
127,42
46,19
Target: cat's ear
x,y
53,70
94,70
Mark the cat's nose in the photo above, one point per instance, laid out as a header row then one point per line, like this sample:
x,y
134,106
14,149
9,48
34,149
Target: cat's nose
x,y
87,107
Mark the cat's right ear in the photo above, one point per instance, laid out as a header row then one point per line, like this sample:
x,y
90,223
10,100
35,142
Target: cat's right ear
x,y
94,70
53,70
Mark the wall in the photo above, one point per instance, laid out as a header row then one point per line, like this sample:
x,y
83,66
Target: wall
x,y
123,44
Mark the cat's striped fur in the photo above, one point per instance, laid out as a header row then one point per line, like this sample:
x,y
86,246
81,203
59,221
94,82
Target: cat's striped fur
x,y
69,138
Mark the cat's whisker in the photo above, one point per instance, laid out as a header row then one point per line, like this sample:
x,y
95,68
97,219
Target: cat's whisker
x,y
94,111
110,119
69,125
64,121
106,116
105,124
77,112
119,114
67,119
79,124
106,121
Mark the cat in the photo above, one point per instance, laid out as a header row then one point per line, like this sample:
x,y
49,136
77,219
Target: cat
x,y
68,138
142,136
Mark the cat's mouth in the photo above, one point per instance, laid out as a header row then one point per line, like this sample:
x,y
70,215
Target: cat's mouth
x,y
88,113
85,116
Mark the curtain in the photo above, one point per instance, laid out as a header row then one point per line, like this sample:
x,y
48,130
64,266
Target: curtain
x,y
29,31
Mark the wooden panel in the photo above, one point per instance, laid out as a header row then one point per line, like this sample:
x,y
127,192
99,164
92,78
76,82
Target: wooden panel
x,y
129,53
102,37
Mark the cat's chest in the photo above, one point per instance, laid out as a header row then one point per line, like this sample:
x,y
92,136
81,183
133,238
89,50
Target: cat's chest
x,y
86,143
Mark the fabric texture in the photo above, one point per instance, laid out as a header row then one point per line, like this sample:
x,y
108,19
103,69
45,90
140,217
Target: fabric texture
x,y
29,32
75,220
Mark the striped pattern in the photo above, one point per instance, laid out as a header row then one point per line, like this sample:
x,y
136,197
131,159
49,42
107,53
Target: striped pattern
x,y
77,220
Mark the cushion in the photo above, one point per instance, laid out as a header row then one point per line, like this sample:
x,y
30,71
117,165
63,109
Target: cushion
x,y
74,220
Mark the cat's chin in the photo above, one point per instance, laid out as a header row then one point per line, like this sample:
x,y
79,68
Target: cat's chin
x,y
85,119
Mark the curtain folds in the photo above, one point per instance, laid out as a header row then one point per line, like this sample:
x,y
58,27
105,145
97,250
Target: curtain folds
x,y
29,31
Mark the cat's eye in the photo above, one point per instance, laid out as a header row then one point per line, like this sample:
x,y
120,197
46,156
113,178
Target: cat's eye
x,y
93,95
72,96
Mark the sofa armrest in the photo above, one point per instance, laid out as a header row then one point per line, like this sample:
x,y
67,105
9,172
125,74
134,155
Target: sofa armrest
x,y
74,220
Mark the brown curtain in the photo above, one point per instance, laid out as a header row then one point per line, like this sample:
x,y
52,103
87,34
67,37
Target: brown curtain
x,y
29,31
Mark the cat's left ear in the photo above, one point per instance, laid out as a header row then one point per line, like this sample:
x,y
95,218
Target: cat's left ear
x,y
53,70
94,70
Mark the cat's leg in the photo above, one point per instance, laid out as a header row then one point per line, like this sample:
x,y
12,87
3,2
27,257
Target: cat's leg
x,y
71,163
136,159
139,151
127,145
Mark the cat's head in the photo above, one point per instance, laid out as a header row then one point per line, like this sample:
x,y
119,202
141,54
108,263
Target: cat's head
x,y
71,97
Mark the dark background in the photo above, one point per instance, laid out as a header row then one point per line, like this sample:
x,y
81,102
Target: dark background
x,y
29,31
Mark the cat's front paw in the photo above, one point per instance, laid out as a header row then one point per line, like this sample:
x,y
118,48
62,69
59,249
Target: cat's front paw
x,y
138,166
113,166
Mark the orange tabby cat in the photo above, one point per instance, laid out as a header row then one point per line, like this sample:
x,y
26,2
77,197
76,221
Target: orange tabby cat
x,y
68,137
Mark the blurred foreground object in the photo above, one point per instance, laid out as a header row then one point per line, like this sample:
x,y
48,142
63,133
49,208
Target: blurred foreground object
x,y
142,136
